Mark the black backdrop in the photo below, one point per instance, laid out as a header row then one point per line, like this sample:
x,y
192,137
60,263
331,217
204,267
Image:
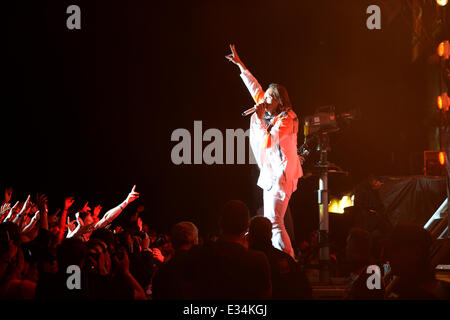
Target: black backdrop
x,y
91,111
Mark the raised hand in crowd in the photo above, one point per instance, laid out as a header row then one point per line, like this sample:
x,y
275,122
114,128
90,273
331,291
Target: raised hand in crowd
x,y
114,212
41,202
75,227
5,208
13,212
86,208
6,211
96,213
68,202
133,195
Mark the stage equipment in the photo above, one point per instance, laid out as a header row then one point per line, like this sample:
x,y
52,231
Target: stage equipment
x,y
434,163
437,225
316,129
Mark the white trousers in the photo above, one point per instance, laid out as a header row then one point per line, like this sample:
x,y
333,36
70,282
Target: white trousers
x,y
274,210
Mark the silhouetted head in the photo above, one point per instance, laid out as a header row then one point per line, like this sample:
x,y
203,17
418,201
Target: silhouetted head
x,y
184,234
234,218
71,252
106,235
260,232
408,250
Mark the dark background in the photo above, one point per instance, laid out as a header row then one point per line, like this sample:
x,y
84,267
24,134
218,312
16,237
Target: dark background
x,y
90,112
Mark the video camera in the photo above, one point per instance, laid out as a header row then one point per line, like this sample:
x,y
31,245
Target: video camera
x,y
325,120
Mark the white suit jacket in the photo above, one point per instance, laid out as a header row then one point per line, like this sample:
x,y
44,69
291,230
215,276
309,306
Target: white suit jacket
x,y
274,146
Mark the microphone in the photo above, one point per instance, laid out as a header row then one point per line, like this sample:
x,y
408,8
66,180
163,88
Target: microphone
x,y
249,111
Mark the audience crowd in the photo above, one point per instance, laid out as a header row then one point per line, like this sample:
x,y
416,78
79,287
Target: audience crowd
x,y
88,255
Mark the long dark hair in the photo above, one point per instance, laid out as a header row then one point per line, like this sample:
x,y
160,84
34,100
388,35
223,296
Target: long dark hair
x,y
280,93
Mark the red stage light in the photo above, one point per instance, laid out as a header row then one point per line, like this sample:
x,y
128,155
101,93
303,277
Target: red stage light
x,y
443,49
443,101
441,158
439,102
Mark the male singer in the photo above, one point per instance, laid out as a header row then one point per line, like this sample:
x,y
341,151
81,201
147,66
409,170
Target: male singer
x,y
273,139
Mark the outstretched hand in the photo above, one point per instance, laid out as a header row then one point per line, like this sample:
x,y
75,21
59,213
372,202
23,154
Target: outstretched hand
x,y
97,210
133,195
74,226
234,57
5,208
41,202
68,202
86,208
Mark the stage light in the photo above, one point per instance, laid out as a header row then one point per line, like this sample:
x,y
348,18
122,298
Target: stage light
x,y
338,205
444,49
443,102
434,163
441,2
441,158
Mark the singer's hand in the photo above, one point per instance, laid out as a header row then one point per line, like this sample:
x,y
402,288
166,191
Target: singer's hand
x,y
233,57
260,110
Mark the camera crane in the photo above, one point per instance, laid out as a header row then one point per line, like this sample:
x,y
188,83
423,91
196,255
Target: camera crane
x,y
318,127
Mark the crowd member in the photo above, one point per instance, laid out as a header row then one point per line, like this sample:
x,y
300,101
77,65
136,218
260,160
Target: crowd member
x,y
226,268
134,223
358,254
110,278
308,254
142,259
169,282
288,281
53,286
82,230
408,251
39,249
12,264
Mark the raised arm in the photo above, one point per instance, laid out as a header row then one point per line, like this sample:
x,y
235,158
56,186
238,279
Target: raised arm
x,y
42,206
62,223
114,212
250,81
107,218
